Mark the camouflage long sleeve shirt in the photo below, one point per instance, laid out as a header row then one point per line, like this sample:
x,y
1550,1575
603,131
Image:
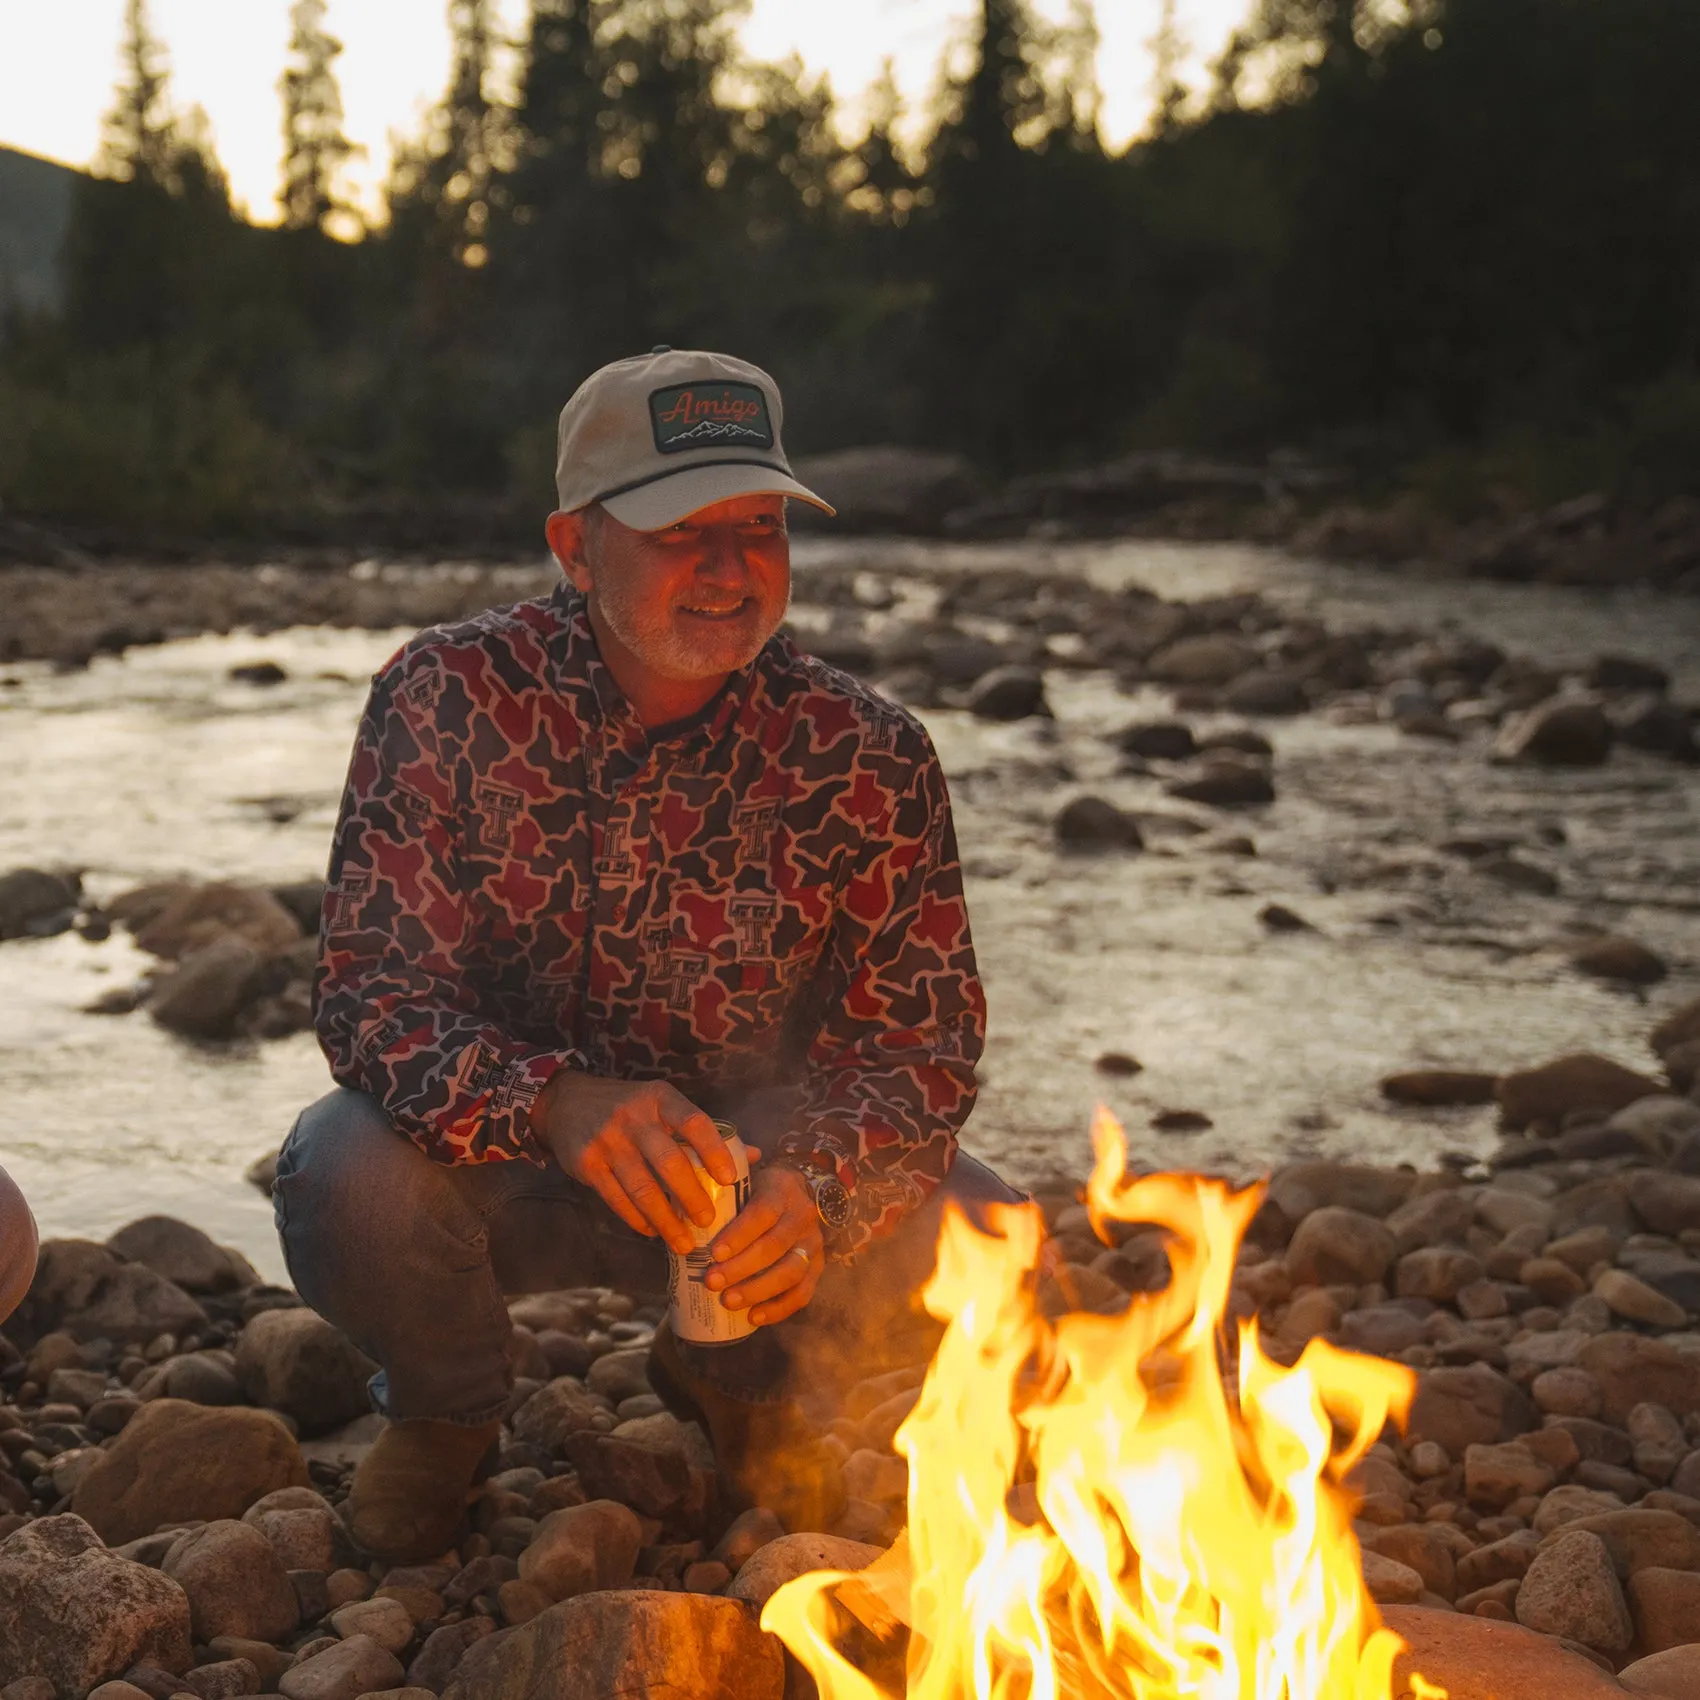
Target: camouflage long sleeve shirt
x,y
522,878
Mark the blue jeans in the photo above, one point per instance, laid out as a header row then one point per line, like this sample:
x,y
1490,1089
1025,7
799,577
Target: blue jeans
x,y
412,1259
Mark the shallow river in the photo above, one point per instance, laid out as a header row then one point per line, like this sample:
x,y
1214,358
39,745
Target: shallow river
x,y
156,764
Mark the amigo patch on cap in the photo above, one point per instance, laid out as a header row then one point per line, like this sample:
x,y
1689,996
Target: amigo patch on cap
x,y
669,433
700,416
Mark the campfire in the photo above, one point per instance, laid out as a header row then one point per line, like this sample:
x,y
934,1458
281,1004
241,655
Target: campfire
x,y
1143,1505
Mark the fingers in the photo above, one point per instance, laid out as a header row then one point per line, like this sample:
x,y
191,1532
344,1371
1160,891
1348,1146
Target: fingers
x,y
755,1219
685,1121
594,1172
666,1157
765,1252
648,1194
781,1289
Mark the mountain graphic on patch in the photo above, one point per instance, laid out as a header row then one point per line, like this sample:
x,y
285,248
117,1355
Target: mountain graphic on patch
x,y
695,416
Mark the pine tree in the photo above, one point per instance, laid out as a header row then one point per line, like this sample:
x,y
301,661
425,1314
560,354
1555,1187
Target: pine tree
x,y
139,138
1168,51
313,140
462,170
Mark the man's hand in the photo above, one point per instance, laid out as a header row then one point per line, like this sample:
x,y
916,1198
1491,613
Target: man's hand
x,y
770,1257
622,1137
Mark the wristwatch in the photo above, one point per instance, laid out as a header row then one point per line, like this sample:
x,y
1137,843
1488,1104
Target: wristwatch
x,y
832,1199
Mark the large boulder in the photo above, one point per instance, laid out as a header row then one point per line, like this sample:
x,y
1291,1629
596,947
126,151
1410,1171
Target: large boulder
x,y
198,916
87,1291
176,1462
612,1646
183,1254
885,488
78,1615
1575,1085
1680,1027
1475,1658
295,1361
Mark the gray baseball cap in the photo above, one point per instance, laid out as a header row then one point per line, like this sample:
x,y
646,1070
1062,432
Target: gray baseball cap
x,y
657,437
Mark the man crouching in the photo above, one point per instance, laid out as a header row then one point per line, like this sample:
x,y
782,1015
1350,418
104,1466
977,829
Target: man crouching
x,y
610,863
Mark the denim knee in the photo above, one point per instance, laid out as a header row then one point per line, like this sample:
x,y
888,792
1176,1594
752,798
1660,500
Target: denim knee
x,y
17,1246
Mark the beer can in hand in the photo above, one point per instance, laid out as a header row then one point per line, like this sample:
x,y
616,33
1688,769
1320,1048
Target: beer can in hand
x,y
700,1315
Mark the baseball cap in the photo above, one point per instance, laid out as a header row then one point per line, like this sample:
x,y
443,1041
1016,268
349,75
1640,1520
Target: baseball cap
x,y
659,436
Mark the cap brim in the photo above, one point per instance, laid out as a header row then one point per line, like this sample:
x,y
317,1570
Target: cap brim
x,y
666,501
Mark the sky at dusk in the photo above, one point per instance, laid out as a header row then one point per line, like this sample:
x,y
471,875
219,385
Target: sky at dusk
x,y
58,65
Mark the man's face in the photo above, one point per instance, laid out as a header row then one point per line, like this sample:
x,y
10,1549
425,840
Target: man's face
x,y
698,600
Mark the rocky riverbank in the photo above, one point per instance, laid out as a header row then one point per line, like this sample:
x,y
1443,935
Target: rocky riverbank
x,y
177,1439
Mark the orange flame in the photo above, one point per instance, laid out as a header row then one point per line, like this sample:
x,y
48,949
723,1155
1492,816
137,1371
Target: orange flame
x,y
1097,1510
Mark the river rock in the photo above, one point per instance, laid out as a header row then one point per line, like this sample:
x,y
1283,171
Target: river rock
x,y
1671,1675
1008,693
1504,1560
1096,823
183,1255
1626,961
1667,1203
236,1583
343,1672
1296,1189
203,914
1334,1244
1562,732
200,1377
1635,1301
1568,1503
1475,1658
83,1289
1666,1607
887,488
1214,658
1437,1272
1582,1084
1226,780
582,1548
1464,1405
175,1462
1433,1218
558,1410
1680,1027
33,900
791,1556
607,1646
1572,1590
208,988
386,1620
1643,1537
1496,1475
444,1648
1429,1549
1632,1369
746,1535
1435,1088
1158,740
295,1361
78,1615
304,1537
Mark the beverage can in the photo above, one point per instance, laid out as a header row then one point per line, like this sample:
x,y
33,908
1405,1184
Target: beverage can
x,y
700,1315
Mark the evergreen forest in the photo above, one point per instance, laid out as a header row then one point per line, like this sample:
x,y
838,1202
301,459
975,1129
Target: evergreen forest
x,y
1451,245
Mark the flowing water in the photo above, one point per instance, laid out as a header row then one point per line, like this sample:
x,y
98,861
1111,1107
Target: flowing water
x,y
156,764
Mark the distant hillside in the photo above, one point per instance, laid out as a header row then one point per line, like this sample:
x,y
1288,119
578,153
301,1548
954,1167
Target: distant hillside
x,y
35,204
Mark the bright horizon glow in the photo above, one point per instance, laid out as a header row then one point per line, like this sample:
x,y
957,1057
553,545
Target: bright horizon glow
x,y
59,67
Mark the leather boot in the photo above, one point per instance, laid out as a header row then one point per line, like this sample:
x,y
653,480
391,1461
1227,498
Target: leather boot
x,y
410,1492
766,1451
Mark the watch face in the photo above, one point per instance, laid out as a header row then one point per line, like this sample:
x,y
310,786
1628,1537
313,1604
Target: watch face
x,y
832,1201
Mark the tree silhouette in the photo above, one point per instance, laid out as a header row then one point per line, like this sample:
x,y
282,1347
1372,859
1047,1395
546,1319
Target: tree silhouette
x,y
314,146
138,135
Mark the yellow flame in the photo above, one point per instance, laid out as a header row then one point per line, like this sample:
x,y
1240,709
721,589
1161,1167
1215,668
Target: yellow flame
x,y
1120,1506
